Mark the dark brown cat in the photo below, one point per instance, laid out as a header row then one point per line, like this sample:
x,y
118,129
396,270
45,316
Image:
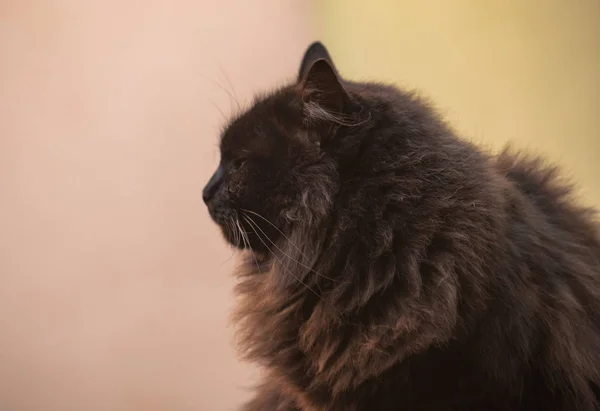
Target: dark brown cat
x,y
394,266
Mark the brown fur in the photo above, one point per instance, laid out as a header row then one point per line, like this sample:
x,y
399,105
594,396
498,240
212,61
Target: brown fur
x,y
393,266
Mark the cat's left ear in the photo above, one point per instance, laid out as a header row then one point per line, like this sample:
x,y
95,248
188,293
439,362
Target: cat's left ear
x,y
320,84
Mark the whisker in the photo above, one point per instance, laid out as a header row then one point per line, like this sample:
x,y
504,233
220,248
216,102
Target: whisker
x,y
289,258
228,228
280,262
219,110
286,267
284,253
276,228
247,243
279,230
239,230
231,96
230,86
236,237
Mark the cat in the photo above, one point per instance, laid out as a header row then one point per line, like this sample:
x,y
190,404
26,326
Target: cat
x,y
391,265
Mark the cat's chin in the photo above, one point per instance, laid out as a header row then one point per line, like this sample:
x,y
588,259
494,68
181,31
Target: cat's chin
x,y
232,237
249,242
251,262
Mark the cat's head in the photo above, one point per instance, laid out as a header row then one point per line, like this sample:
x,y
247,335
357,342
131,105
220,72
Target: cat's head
x,y
278,164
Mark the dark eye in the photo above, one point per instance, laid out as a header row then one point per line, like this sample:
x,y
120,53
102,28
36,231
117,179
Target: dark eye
x,y
238,163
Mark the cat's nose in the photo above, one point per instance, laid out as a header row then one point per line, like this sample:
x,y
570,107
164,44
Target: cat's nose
x,y
206,195
213,185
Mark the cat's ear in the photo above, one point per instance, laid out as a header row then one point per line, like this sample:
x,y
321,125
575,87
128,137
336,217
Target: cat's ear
x,y
314,52
322,92
321,89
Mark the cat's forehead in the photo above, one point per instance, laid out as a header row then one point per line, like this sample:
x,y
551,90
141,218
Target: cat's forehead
x,y
260,127
247,132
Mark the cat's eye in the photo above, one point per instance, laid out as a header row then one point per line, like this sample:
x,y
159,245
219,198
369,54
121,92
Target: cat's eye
x,y
238,163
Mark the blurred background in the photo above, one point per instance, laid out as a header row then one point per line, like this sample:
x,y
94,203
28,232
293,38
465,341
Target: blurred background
x,y
115,287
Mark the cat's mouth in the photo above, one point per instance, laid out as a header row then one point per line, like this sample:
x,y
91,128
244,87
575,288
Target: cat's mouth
x,y
247,230
233,231
241,232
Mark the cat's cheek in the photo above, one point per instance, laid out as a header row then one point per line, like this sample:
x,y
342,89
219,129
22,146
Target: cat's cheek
x,y
236,190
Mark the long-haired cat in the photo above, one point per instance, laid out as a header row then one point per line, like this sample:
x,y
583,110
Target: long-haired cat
x,y
394,266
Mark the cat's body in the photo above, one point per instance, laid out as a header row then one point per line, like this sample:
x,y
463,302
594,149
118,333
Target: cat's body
x,y
393,266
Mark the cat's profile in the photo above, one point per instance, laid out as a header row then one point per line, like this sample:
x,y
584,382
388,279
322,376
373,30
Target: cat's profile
x,y
393,266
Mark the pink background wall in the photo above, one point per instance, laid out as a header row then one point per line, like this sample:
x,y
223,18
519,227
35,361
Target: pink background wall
x,y
115,287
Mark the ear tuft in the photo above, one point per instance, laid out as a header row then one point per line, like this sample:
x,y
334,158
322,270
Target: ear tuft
x,y
322,90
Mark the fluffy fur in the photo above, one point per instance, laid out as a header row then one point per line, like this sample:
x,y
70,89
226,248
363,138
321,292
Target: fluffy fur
x,y
393,266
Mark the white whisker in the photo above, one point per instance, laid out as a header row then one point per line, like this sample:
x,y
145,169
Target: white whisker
x,y
228,228
247,243
280,250
276,228
280,262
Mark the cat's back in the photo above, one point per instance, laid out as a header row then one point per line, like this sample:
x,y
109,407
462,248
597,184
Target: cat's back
x,y
547,197
554,250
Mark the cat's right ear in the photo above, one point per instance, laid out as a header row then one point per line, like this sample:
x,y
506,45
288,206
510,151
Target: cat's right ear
x,y
314,52
321,89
